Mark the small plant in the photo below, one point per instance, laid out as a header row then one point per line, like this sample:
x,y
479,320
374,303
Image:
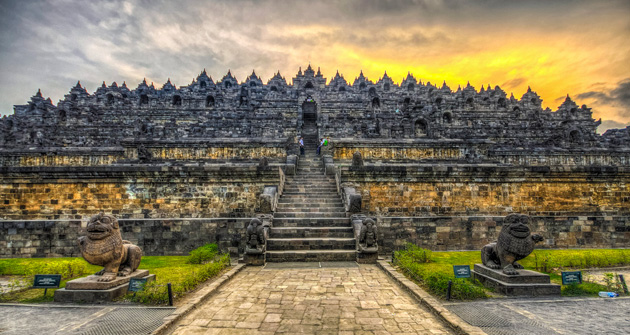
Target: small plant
x,y
203,254
611,280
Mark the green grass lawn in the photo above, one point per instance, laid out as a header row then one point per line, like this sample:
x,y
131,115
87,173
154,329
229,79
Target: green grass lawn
x,y
434,275
176,270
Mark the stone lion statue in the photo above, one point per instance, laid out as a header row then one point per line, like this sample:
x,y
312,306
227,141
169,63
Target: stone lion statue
x,y
103,245
515,243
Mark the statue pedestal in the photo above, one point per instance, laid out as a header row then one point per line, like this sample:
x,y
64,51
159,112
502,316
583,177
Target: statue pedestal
x,y
526,283
254,259
367,257
89,290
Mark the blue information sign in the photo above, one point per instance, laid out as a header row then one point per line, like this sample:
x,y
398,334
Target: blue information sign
x,y
461,271
571,277
47,281
136,284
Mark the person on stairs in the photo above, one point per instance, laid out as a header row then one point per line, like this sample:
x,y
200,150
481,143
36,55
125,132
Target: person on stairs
x,y
319,147
301,141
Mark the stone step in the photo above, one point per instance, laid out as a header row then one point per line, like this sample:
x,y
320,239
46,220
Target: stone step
x,y
330,214
307,200
306,232
311,222
310,182
310,189
311,243
310,192
301,197
310,207
311,256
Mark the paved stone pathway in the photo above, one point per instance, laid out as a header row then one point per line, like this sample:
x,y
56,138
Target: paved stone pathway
x,y
328,300
547,316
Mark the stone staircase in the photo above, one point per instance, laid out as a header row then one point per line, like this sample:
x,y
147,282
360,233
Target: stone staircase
x,y
310,222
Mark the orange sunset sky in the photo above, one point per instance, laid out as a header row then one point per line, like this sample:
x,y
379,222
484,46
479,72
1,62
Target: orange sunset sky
x,y
580,48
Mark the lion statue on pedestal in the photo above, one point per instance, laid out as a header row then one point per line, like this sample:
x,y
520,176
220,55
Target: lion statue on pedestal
x,y
515,243
103,245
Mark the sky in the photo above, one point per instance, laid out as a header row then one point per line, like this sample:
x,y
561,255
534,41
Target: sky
x,y
559,47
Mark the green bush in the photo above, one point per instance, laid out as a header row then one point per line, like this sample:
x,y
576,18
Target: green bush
x,y
68,269
157,292
203,254
415,253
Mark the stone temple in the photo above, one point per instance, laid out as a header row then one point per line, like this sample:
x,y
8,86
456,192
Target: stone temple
x,y
184,166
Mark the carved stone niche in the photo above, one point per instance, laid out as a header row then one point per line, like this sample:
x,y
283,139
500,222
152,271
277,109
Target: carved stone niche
x,y
357,159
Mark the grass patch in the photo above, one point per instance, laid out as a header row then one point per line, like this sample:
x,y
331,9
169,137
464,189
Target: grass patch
x,y
421,265
434,273
182,275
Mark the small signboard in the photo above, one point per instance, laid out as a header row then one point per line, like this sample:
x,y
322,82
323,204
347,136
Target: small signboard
x,y
47,281
461,271
571,277
136,284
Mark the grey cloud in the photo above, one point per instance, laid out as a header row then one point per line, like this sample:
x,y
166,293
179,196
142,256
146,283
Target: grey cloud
x,y
610,124
513,83
52,44
618,96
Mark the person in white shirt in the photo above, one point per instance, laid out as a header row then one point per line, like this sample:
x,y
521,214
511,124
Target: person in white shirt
x,y
319,147
301,146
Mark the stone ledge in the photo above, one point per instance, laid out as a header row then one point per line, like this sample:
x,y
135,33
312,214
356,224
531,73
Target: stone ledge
x,y
455,322
199,297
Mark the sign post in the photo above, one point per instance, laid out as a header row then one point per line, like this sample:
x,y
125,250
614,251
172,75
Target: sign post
x,y
46,282
136,285
571,277
461,271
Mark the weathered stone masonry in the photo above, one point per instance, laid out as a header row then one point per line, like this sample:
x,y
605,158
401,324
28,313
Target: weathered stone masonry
x,y
183,166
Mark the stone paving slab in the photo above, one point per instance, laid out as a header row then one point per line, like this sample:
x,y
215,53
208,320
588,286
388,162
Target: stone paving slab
x,y
547,316
327,300
88,319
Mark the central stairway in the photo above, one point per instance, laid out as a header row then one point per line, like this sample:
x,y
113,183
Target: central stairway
x,y
310,223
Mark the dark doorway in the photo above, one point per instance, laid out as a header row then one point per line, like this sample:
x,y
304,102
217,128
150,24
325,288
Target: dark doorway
x,y
309,110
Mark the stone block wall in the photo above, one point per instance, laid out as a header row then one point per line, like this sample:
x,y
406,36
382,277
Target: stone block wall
x,y
133,192
58,238
221,150
473,232
389,151
416,190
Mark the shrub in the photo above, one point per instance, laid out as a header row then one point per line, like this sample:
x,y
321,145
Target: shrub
x,y
547,260
415,253
203,254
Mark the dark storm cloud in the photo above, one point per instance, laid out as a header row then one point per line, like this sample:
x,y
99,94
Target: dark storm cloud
x,y
52,44
618,96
